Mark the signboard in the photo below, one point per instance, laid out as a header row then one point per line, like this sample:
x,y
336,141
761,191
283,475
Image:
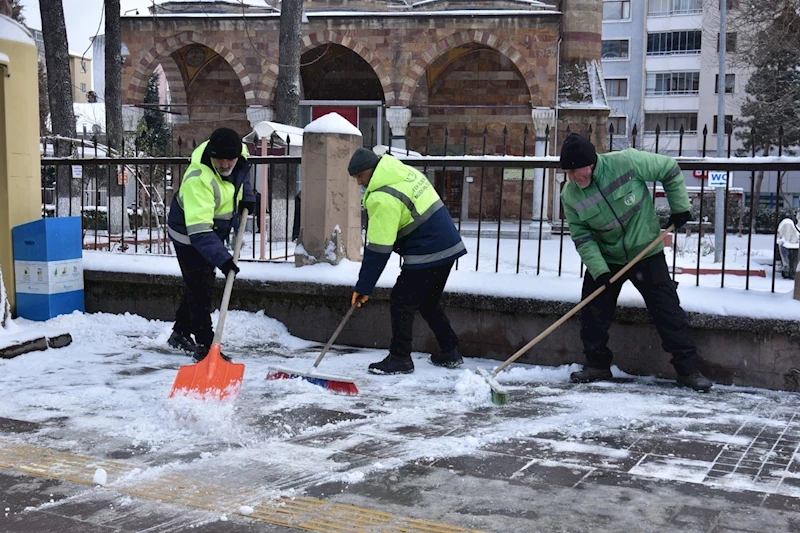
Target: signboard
x,y
717,178
122,178
77,171
49,277
700,174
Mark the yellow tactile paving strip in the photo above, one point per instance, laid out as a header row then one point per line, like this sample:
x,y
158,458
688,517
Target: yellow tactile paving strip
x,y
308,514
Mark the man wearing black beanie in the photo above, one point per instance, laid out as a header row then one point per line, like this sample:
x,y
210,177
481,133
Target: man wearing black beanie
x,y
611,219
214,189
407,216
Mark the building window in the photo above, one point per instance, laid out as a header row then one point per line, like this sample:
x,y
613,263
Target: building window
x,y
616,87
83,66
616,49
670,122
674,43
672,83
730,82
730,42
620,125
728,124
83,87
666,8
616,10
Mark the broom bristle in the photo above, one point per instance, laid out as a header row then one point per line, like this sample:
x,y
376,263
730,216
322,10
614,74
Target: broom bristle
x,y
334,385
499,394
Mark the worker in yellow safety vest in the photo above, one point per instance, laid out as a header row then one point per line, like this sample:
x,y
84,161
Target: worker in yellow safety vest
x,y
407,216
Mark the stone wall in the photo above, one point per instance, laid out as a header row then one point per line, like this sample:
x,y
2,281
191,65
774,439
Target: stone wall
x,y
733,350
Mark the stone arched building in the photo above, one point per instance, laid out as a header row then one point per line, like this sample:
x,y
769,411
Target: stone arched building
x,y
408,67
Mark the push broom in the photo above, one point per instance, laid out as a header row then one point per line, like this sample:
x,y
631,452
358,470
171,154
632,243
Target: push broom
x,y
214,377
330,382
500,394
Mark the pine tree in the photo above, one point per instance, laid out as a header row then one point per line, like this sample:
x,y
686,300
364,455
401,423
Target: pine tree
x,y
772,100
154,133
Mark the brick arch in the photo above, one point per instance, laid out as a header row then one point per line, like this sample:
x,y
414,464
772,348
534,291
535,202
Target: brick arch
x,y
177,88
314,40
466,37
149,59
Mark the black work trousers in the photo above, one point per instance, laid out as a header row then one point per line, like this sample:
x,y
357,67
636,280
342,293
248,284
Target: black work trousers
x,y
420,290
194,312
651,278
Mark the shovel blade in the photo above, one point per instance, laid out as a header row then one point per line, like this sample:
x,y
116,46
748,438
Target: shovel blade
x,y
213,378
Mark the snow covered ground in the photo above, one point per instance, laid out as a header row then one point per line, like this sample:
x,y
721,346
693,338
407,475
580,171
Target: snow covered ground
x,y
106,396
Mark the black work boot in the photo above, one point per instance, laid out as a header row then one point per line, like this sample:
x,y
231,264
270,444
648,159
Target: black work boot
x,y
695,381
181,342
590,374
202,351
449,359
392,364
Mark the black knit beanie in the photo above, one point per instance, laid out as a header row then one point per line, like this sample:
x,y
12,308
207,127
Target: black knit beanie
x,y
225,144
577,152
362,160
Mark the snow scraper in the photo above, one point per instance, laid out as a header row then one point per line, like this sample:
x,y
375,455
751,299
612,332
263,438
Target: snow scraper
x,y
330,382
499,394
214,377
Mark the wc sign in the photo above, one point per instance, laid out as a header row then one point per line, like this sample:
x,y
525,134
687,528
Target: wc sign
x,y
717,178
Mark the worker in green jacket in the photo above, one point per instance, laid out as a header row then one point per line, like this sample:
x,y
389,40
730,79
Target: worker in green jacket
x,y
611,219
407,216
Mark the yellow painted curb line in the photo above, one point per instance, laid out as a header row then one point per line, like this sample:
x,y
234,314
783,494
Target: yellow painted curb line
x,y
308,514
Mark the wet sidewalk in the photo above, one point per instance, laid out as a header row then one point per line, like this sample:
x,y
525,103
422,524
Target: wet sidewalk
x,y
599,460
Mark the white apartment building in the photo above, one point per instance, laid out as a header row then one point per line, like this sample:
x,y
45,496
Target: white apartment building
x,y
661,66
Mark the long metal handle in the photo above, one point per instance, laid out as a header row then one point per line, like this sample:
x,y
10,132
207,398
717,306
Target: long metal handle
x,y
584,302
335,334
226,295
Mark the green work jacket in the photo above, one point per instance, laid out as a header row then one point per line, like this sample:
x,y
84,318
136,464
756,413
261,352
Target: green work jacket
x,y
614,219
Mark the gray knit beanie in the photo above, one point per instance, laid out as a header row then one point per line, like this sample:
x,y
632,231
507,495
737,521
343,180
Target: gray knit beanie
x,y
362,160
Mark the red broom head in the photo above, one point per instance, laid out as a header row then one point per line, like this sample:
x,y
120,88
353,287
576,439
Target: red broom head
x,y
342,387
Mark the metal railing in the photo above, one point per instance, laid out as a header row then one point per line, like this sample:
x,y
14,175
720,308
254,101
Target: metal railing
x,y
492,197
124,201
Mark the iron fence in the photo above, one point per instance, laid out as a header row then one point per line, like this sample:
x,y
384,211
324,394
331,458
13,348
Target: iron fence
x,y
494,197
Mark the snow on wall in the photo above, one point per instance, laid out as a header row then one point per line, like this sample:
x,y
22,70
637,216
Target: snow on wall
x,y
5,306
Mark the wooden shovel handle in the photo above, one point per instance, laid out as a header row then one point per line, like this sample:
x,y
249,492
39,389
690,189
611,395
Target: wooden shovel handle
x,y
584,302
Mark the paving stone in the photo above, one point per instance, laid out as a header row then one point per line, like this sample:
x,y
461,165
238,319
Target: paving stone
x,y
9,425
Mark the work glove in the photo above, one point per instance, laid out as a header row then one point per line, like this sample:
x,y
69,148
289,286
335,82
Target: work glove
x,y
604,279
359,299
250,206
679,219
229,266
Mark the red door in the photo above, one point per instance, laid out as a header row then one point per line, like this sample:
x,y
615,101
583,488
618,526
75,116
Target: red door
x,y
348,112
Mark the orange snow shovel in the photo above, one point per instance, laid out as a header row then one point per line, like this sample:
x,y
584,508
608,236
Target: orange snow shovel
x,y
215,378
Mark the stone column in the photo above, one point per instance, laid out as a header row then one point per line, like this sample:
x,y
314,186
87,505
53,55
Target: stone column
x,y
542,118
330,213
258,113
398,119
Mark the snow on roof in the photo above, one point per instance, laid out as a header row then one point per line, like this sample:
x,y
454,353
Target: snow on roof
x,y
11,30
4,59
284,132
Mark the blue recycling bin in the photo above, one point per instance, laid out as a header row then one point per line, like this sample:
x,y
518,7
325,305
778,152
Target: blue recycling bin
x,y
48,266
